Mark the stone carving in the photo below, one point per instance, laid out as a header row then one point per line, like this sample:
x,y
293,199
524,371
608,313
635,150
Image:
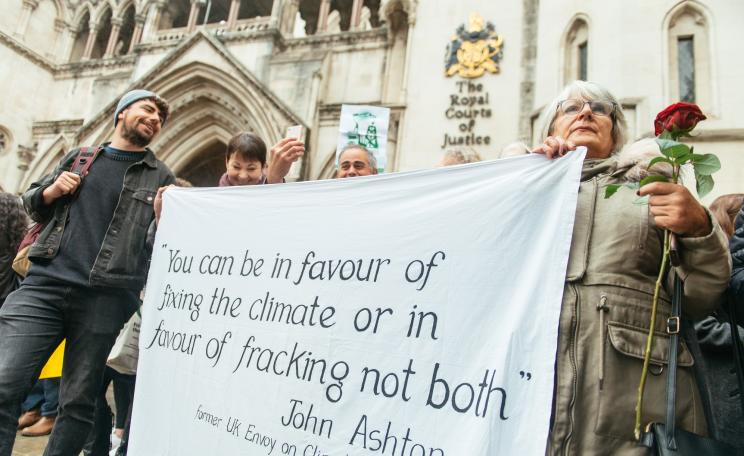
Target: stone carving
x,y
26,155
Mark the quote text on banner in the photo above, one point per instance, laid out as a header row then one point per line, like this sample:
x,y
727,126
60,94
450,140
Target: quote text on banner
x,y
404,314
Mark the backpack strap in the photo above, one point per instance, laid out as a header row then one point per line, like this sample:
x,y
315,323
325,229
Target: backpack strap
x,y
84,159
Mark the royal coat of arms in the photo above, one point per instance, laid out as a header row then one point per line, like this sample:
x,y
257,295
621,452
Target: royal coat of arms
x,y
474,50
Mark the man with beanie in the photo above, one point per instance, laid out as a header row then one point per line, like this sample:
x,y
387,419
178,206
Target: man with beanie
x,y
88,267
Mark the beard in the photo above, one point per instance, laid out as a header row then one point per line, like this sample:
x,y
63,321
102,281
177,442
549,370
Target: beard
x,y
134,136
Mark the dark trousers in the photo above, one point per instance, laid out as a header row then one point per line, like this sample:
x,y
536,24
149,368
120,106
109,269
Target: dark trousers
x,y
43,396
33,321
123,396
124,445
99,440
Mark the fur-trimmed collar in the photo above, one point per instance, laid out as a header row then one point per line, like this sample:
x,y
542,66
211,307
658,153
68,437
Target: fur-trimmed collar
x,y
633,160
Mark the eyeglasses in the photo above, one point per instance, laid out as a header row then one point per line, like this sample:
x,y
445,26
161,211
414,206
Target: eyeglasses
x,y
574,107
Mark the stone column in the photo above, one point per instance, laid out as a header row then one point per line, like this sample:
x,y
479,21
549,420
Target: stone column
x,y
60,40
70,33
232,17
404,90
356,14
28,7
139,24
276,12
528,63
325,9
113,37
407,64
193,15
280,14
93,31
151,22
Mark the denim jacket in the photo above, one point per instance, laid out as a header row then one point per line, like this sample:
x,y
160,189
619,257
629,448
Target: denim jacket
x,y
122,261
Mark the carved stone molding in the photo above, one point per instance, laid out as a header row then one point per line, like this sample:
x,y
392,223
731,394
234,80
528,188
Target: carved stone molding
x,y
718,135
26,155
25,51
55,127
30,4
379,35
688,10
95,67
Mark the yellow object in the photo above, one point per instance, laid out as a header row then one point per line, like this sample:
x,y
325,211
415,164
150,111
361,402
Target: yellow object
x,y
475,51
53,367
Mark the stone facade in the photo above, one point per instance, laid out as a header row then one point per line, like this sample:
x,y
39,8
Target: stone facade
x,y
263,65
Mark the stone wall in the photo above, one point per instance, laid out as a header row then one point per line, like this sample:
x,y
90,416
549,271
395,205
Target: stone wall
x,y
307,57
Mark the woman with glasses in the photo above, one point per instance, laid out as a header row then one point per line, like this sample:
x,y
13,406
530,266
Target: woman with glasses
x,y
614,260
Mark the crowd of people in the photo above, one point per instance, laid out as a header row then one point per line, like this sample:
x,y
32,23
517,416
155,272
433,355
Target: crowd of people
x,y
89,264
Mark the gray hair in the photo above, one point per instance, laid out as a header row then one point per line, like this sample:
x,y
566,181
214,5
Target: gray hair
x,y
463,155
588,91
370,156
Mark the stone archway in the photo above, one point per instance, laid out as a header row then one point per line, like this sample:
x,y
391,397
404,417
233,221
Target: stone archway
x,y
206,166
196,149
208,107
210,103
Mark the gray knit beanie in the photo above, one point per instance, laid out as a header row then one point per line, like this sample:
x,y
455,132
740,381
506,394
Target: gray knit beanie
x,y
131,97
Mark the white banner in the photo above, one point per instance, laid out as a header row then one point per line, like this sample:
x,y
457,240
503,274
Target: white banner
x,y
404,314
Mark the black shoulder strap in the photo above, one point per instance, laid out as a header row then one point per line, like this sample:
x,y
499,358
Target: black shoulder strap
x,y
737,345
673,327
84,159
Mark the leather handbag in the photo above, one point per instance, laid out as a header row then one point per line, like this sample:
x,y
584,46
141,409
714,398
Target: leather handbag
x,y
665,439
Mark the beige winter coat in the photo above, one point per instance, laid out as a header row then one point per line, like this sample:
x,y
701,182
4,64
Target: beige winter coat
x,y
615,254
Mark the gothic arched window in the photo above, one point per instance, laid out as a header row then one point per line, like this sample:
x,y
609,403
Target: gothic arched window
x,y
255,8
576,52
214,11
103,32
175,14
81,38
124,41
689,61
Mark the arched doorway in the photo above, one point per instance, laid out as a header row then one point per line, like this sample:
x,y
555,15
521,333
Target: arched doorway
x,y
206,166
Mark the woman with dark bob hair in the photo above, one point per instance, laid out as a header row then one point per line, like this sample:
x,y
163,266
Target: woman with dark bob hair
x,y
614,260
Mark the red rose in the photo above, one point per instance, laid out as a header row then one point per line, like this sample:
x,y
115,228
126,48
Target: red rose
x,y
678,118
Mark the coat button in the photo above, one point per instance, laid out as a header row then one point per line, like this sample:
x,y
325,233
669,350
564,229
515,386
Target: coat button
x,y
58,229
50,251
149,198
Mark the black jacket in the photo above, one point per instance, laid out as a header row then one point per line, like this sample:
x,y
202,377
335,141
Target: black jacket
x,y
736,245
122,261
